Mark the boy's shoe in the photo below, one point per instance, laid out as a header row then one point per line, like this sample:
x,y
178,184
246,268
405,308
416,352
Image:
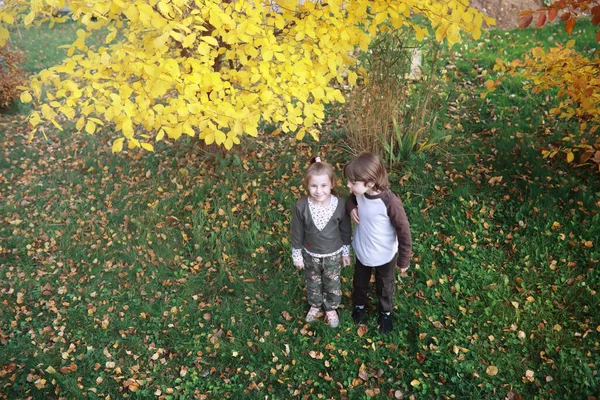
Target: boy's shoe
x,y
359,314
332,318
385,322
312,314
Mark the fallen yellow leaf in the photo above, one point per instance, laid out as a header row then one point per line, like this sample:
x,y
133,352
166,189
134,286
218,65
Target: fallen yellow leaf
x,y
491,370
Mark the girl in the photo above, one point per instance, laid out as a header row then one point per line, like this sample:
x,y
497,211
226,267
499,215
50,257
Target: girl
x,y
381,238
321,235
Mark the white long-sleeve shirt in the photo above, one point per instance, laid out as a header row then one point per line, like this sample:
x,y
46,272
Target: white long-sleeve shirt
x,y
383,230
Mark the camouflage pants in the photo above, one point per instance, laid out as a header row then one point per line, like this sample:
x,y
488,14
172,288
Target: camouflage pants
x,y
323,281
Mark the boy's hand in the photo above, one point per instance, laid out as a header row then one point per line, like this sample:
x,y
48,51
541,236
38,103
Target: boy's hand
x,y
299,264
345,261
354,215
403,270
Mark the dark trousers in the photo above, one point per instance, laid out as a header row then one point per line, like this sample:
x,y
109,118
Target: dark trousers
x,y
385,284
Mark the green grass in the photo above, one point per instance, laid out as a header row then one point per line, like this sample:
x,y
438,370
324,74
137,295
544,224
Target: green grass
x,y
169,275
40,45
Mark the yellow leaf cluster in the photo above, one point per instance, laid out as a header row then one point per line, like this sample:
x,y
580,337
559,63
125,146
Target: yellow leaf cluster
x,y
575,78
215,69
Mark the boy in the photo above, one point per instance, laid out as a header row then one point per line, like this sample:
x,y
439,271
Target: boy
x,y
382,237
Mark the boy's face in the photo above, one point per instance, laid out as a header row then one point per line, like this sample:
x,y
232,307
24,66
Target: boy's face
x,y
358,188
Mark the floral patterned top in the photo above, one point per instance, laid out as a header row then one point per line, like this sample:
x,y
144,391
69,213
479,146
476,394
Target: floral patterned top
x,y
320,217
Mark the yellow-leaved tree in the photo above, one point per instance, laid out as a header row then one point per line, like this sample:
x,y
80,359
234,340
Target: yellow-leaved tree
x,y
212,68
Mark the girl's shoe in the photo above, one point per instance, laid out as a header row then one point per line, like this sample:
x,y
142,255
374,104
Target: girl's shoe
x,y
312,314
332,318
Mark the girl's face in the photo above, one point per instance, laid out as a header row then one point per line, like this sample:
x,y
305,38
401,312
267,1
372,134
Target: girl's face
x,y
319,188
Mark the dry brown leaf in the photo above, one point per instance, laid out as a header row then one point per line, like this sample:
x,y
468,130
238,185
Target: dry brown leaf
x,y
40,383
491,370
362,329
362,372
494,180
529,375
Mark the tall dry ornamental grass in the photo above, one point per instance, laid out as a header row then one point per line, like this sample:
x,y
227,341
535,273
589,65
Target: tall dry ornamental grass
x,y
395,110
369,113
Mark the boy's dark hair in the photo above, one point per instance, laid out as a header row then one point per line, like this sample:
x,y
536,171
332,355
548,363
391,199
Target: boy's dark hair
x,y
318,167
367,168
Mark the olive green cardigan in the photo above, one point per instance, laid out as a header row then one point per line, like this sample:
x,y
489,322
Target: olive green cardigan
x,y
337,232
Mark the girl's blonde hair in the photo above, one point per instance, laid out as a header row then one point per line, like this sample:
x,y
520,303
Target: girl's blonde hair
x,y
367,168
318,167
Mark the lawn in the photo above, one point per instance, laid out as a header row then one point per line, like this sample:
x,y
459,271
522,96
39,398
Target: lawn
x,y
168,274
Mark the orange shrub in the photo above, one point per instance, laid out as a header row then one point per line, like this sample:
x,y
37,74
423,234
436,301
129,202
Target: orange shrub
x,y
11,76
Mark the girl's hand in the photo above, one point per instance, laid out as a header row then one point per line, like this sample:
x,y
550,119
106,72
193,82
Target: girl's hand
x,y
345,261
354,215
299,264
